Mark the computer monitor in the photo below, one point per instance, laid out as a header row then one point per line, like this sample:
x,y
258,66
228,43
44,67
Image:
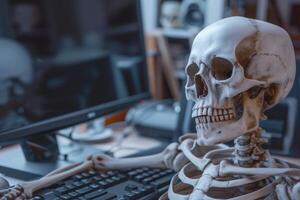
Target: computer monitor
x,y
96,66
62,63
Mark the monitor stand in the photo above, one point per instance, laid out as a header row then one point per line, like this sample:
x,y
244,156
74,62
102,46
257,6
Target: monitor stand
x,y
39,155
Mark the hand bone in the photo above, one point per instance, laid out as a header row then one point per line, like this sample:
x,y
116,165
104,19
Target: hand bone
x,y
13,193
97,162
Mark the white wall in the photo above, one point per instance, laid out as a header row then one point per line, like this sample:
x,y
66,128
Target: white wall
x,y
149,14
214,11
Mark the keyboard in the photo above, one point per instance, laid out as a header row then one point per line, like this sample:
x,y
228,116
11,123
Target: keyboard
x,y
132,184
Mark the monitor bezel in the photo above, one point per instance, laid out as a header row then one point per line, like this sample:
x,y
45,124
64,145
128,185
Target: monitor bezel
x,y
59,122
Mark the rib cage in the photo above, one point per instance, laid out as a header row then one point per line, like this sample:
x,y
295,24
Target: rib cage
x,y
209,177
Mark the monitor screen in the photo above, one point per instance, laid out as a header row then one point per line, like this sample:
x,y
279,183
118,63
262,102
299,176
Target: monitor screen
x,y
64,62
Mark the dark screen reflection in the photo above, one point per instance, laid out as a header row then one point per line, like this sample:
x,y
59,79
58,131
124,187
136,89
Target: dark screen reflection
x,y
78,54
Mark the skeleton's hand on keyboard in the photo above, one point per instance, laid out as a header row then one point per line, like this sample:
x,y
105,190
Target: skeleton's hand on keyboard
x,y
13,193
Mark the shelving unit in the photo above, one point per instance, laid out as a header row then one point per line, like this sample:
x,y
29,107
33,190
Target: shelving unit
x,y
173,75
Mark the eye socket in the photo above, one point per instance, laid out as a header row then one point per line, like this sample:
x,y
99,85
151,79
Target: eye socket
x,y
221,68
192,70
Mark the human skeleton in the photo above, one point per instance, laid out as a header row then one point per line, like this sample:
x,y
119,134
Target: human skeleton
x,y
238,68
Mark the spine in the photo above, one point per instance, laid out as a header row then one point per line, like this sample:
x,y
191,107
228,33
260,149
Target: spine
x,y
248,149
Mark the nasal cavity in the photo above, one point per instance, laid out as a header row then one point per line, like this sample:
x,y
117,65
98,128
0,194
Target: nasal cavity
x,y
201,86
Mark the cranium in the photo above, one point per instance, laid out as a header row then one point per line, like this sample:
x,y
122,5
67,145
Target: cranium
x,y
237,69
170,14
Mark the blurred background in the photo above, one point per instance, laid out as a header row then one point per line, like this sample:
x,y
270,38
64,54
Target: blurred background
x,y
41,34
170,27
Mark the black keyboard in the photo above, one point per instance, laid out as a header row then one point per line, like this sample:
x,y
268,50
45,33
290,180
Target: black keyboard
x,y
133,184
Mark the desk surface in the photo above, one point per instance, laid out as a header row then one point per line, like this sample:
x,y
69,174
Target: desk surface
x,y
121,147
132,144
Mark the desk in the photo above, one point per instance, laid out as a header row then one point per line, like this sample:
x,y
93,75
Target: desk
x,y
129,145
133,143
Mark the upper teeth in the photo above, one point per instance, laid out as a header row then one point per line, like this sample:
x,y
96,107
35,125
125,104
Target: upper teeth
x,y
209,114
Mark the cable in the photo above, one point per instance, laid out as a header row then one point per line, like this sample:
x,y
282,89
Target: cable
x,y
68,135
65,156
129,129
124,134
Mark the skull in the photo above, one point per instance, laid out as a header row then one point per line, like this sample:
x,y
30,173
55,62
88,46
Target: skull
x,y
170,14
237,69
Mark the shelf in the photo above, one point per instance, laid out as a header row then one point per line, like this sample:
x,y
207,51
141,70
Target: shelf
x,y
179,33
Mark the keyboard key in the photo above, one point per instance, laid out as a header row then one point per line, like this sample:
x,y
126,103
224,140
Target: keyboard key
x,y
85,174
151,173
84,190
92,172
102,183
110,197
97,178
130,187
161,182
115,178
94,186
129,195
155,176
140,192
147,180
66,197
147,188
49,195
110,173
139,178
86,181
122,177
104,175
37,198
61,190
95,194
139,170
163,173
70,186
73,194
133,173
109,181
78,184
146,174
78,176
